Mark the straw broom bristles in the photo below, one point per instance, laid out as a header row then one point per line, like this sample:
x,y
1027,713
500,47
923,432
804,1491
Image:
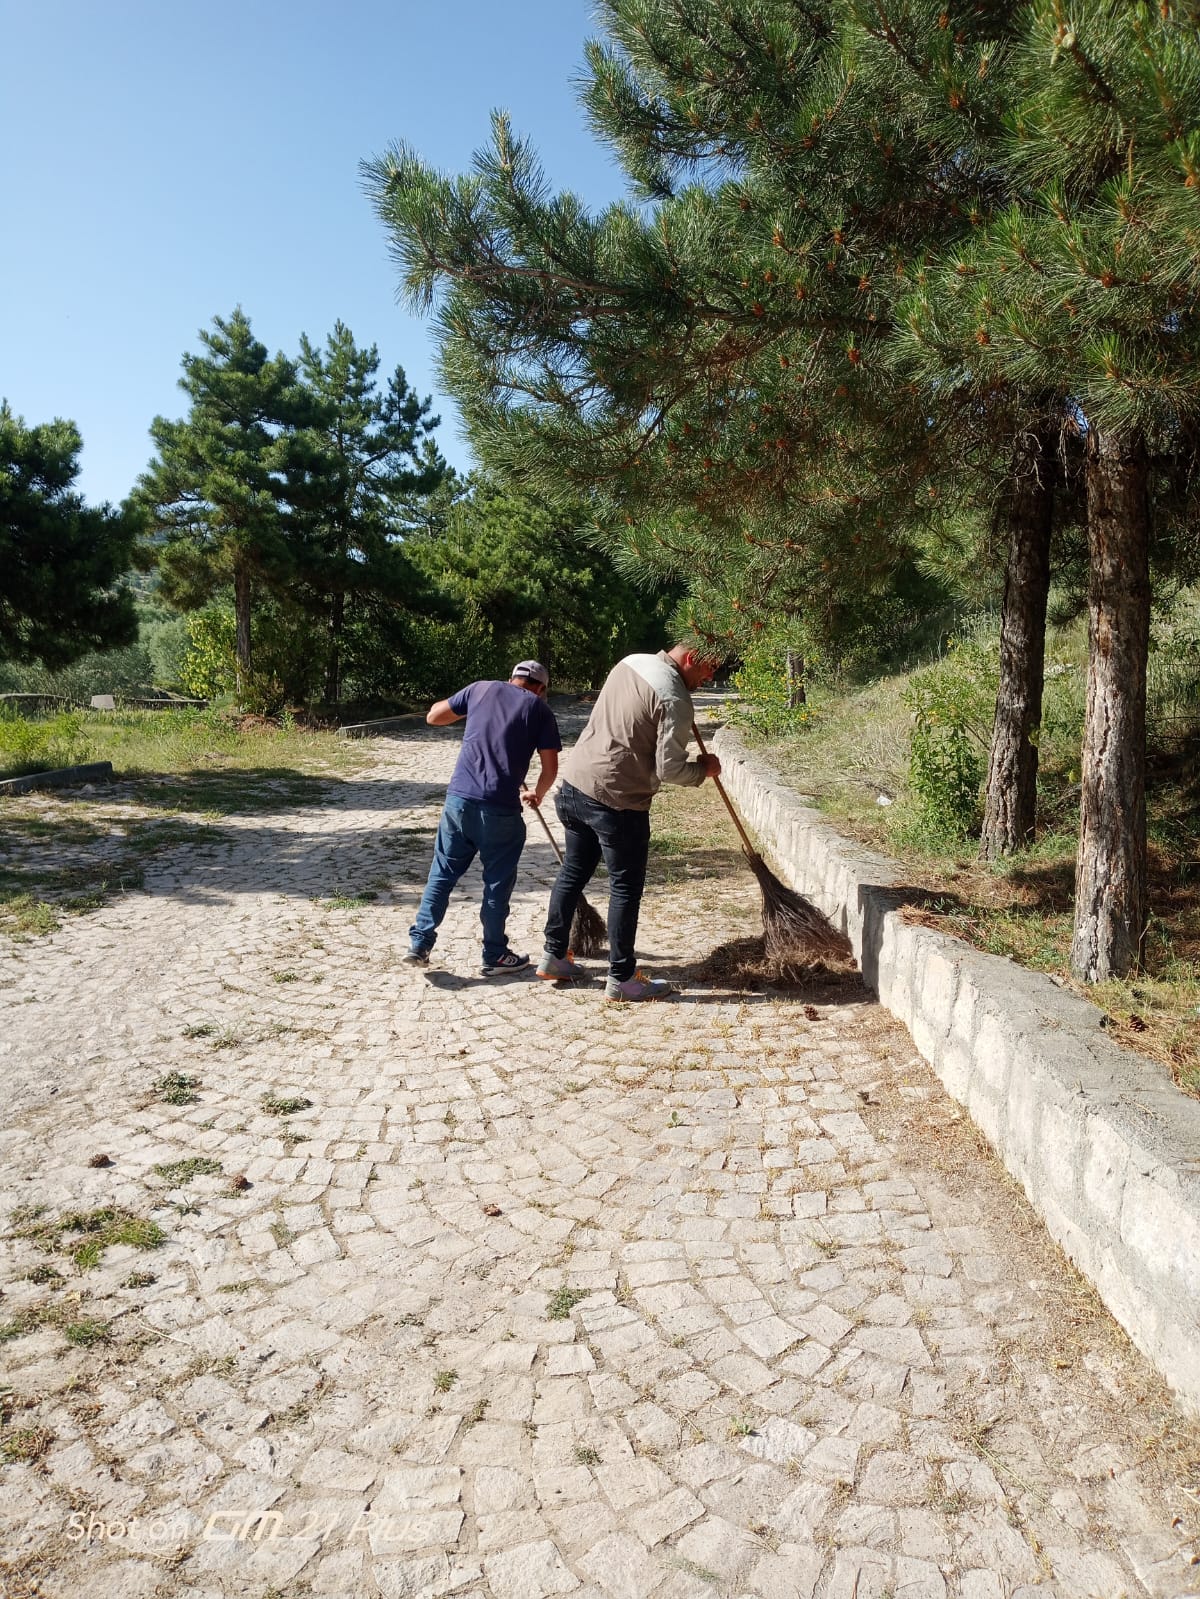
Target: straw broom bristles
x,y
793,928
589,930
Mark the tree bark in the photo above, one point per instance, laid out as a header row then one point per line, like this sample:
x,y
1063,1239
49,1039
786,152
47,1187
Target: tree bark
x,y
544,647
333,664
241,607
1111,867
796,695
1010,799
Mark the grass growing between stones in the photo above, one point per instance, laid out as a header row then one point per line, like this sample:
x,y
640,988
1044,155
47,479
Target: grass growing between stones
x,y
83,1236
177,1088
44,879
24,1445
82,1331
563,1301
347,902
284,1104
178,1172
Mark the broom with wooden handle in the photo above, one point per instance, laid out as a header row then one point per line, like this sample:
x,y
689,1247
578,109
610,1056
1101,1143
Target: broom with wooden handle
x,y
793,927
589,931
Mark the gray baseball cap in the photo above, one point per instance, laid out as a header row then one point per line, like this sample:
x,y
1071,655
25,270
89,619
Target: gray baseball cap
x,y
534,670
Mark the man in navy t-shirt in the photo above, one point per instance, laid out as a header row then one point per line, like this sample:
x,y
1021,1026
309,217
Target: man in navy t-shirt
x,y
506,722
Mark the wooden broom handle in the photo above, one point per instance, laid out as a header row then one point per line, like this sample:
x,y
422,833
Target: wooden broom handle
x,y
737,821
549,834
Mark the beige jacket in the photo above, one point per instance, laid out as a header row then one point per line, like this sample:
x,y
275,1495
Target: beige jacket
x,y
637,736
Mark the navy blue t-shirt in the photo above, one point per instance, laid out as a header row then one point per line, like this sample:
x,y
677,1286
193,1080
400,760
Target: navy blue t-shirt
x,y
505,724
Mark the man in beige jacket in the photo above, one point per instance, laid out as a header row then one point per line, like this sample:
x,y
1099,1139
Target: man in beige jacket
x,y
636,739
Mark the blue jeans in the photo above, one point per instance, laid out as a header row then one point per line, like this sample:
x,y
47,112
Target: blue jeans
x,y
468,829
623,839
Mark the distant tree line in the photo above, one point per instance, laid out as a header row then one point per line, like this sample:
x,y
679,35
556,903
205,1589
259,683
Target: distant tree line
x,y
306,544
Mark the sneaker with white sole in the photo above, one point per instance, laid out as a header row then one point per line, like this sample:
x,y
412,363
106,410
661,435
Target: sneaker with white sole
x,y
559,968
637,988
508,962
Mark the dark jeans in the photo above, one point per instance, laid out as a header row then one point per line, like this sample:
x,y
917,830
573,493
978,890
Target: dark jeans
x,y
623,839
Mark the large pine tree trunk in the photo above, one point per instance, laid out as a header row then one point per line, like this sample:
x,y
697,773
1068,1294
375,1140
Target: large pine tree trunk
x,y
1010,803
333,664
241,611
1110,874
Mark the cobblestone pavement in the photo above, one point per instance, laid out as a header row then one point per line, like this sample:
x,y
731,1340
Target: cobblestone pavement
x,y
491,1289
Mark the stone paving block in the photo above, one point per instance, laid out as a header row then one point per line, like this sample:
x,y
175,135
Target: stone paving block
x,y
652,1427
980,1585
743,1373
619,1565
410,1579
503,1528
770,1336
790,1573
991,1544
891,1478
870,1526
824,1324
662,1518
750,1496
632,1482
918,1579
779,1441
718,1546
578,1527
529,1571
334,1468
418,1487
563,1485
862,1573
807,1360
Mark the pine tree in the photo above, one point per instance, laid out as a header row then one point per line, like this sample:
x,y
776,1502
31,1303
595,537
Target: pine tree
x,y
1084,290
529,579
61,595
364,455
216,491
718,352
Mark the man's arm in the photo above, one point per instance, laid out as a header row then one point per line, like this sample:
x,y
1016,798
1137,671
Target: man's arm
x,y
546,779
440,714
671,756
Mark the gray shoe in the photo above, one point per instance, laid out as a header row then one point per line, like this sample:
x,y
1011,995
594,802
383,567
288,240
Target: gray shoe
x,y
637,988
416,957
559,968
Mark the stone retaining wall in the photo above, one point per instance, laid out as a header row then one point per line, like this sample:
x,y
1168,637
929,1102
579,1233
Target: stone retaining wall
x,y
60,777
1104,1144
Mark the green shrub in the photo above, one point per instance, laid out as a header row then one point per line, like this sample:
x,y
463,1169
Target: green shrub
x,y
39,746
766,694
286,656
951,705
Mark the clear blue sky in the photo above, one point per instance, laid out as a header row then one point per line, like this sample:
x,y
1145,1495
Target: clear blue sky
x,y
167,160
